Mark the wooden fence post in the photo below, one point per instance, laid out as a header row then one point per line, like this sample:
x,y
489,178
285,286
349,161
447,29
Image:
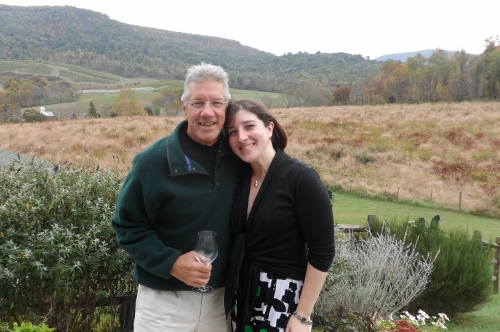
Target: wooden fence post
x,y
495,261
371,221
497,266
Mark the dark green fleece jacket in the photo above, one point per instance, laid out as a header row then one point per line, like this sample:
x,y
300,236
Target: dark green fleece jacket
x,y
163,203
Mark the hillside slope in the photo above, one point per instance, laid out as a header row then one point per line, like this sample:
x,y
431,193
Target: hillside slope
x,y
82,37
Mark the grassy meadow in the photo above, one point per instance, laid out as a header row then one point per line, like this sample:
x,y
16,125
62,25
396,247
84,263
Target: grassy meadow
x,y
432,155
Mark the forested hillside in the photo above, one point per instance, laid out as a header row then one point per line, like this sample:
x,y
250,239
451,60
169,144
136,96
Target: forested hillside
x,y
89,39
55,35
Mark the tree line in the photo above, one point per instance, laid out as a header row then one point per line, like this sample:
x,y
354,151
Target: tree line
x,y
21,91
440,77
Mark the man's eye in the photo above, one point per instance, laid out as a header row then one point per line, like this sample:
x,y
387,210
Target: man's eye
x,y
217,104
198,104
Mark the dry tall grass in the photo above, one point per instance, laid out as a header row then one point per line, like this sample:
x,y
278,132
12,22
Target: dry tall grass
x,y
427,152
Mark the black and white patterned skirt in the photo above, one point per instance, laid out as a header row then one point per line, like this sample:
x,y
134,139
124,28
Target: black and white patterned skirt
x,y
275,301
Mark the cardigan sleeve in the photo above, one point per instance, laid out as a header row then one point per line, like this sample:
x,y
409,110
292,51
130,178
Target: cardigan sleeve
x,y
315,216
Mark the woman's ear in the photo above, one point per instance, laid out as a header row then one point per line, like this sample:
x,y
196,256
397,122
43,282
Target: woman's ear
x,y
270,128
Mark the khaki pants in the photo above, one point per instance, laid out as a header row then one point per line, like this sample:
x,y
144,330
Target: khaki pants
x,y
179,311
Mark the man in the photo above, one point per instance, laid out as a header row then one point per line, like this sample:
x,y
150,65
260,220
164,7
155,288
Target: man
x,y
182,184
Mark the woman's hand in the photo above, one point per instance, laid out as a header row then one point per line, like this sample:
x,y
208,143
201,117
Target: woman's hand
x,y
294,325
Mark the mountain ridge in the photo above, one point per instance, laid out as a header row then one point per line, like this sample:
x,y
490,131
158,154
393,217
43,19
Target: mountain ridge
x,y
66,34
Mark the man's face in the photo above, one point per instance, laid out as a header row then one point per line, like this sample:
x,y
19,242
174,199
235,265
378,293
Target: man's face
x,y
205,124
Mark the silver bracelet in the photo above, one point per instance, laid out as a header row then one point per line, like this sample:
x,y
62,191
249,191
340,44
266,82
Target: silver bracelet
x,y
302,320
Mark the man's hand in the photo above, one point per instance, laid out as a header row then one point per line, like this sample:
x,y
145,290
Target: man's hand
x,y
188,270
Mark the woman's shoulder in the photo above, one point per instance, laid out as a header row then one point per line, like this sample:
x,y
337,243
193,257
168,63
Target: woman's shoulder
x,y
294,164
292,168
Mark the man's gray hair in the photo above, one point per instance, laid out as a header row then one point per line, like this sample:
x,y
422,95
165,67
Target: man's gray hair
x,y
203,72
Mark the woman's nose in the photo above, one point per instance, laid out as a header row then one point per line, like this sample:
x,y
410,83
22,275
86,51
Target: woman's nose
x,y
242,136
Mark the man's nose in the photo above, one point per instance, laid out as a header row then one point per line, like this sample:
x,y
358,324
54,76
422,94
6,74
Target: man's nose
x,y
207,110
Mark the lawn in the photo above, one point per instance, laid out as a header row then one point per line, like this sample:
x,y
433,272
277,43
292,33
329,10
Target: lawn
x,y
485,319
354,210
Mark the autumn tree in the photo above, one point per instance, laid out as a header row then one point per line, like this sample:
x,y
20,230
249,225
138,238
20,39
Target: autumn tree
x,y
19,92
396,81
493,73
373,90
342,95
439,75
168,98
417,68
126,104
463,83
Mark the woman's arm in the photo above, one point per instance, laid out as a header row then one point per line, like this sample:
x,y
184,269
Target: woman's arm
x,y
313,283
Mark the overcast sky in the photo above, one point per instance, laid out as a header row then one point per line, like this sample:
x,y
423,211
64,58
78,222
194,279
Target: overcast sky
x,y
370,28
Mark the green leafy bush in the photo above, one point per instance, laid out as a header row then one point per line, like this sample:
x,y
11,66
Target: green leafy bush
x,y
28,327
58,255
32,115
461,278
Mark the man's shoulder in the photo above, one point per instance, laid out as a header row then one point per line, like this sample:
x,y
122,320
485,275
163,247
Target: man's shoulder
x,y
152,152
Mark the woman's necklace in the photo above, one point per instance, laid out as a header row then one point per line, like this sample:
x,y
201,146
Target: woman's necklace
x,y
257,183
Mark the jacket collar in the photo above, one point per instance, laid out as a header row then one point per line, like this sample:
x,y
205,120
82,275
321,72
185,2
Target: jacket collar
x,y
178,162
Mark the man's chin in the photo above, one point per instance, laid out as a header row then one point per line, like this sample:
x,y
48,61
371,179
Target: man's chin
x,y
210,139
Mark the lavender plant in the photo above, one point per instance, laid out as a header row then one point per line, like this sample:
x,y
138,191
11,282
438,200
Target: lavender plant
x,y
375,276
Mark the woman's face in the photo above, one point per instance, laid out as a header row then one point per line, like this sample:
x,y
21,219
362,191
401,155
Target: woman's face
x,y
248,137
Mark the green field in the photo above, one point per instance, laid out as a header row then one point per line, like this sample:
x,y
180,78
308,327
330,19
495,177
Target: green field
x,y
354,210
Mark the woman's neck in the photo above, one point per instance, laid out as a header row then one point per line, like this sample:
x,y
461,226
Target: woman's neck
x,y
261,166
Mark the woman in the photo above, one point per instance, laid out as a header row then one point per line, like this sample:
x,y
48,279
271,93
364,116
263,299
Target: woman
x,y
283,225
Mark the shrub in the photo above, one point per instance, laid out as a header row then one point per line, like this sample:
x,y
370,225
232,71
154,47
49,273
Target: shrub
x,y
28,327
58,256
374,277
32,115
461,278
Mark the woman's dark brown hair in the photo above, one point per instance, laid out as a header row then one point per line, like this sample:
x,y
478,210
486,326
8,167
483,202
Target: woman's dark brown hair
x,y
279,138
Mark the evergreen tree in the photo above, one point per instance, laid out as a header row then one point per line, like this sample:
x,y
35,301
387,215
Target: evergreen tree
x,y
92,111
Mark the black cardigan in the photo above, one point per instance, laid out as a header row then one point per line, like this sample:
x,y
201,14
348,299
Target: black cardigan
x,y
290,224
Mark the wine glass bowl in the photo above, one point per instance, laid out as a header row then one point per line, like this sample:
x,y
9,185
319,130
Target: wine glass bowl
x,y
205,252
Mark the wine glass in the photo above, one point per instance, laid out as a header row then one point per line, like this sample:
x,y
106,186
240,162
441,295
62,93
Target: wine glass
x,y
205,252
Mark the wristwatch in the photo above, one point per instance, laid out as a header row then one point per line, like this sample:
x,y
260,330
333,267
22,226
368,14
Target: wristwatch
x,y
303,320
